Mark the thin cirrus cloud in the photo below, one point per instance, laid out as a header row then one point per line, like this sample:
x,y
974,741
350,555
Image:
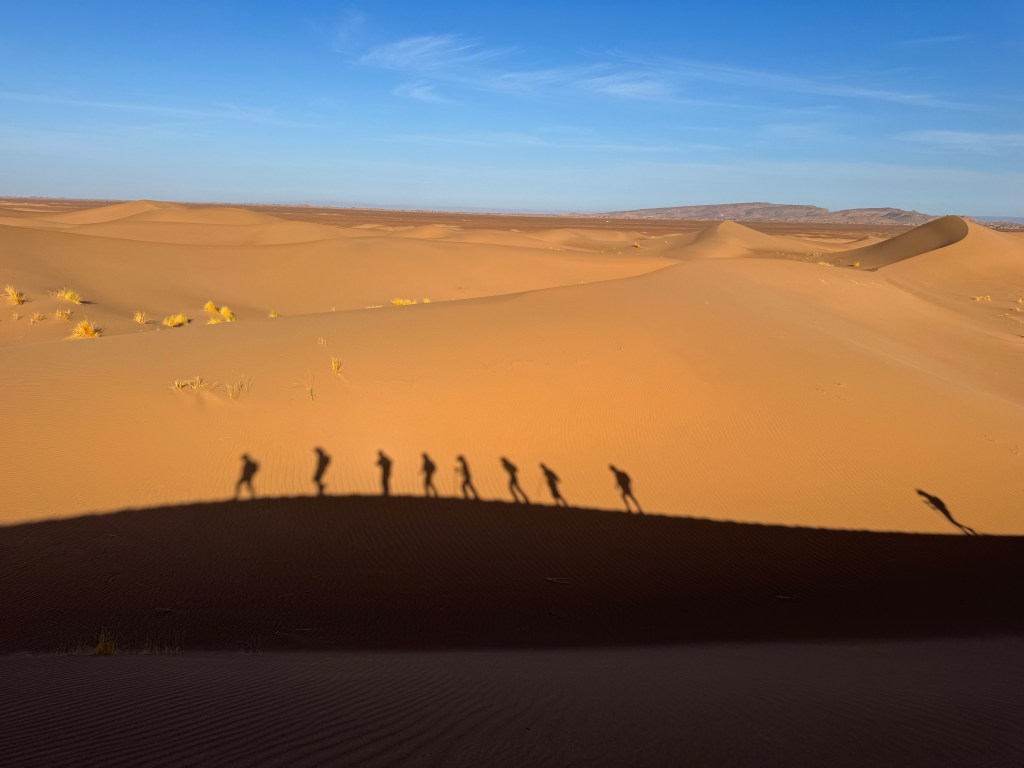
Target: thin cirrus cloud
x,y
431,52
970,141
631,86
425,92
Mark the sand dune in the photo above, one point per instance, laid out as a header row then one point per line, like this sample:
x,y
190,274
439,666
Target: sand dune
x,y
763,389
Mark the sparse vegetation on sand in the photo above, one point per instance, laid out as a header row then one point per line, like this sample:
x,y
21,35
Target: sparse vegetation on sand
x,y
196,384
227,314
37,317
15,316
14,296
85,329
210,307
67,295
173,321
981,298
236,388
141,318
63,314
106,645
403,302
274,314
336,365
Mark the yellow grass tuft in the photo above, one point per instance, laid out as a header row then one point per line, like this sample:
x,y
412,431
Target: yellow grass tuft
x,y
15,316
273,314
173,321
856,263
236,388
824,264
196,384
215,320
210,307
37,317
68,295
981,298
141,318
402,302
336,365
105,644
85,329
14,296
63,314
426,300
227,314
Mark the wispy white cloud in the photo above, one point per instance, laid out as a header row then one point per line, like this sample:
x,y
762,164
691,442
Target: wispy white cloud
x,y
348,36
967,141
425,92
920,42
431,52
631,86
216,111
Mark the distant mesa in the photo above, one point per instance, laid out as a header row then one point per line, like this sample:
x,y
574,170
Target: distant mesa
x,y
779,212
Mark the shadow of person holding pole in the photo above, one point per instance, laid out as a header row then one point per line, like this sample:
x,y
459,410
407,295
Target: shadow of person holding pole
x,y
625,483
468,489
428,470
322,460
553,481
384,462
518,494
249,470
940,506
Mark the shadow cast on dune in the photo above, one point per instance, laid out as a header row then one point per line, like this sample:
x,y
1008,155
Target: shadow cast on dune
x,y
401,572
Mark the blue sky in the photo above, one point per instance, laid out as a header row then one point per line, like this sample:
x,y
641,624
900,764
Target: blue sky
x,y
551,106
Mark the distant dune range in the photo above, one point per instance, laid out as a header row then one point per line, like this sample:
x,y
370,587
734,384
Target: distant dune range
x,y
810,377
779,212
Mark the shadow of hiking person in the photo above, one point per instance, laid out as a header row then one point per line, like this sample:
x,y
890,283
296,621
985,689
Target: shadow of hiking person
x,y
384,462
518,494
428,470
553,481
940,506
322,460
468,489
249,470
625,483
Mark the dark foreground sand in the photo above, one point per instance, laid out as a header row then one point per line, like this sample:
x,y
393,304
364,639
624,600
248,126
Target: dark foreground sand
x,y
941,703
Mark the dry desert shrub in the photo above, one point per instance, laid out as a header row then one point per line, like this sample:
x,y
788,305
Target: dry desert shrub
x,y
227,315
14,296
63,314
141,318
210,307
106,645
274,314
37,317
825,264
981,298
85,329
335,365
67,295
173,321
402,302
196,384
235,389
215,320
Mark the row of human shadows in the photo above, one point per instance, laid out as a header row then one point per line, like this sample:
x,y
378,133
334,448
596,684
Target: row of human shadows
x,y
428,469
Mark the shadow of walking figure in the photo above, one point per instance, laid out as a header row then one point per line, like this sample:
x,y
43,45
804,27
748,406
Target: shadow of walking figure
x,y
429,468
322,460
940,506
553,481
625,484
468,489
384,462
513,481
249,469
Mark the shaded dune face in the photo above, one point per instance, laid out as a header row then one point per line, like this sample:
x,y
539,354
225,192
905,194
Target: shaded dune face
x,y
733,374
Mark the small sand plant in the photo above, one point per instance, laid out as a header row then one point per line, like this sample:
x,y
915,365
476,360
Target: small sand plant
x,y
14,296
321,341
67,295
210,307
308,386
37,317
63,313
402,302
235,389
15,316
274,314
174,321
336,365
981,298
227,315
85,329
106,645
141,318
215,320
196,384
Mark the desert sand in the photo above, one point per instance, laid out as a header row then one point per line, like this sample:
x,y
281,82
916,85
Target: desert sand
x,y
813,417
810,378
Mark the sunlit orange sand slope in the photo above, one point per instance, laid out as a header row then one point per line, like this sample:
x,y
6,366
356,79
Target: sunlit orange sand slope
x,y
733,374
